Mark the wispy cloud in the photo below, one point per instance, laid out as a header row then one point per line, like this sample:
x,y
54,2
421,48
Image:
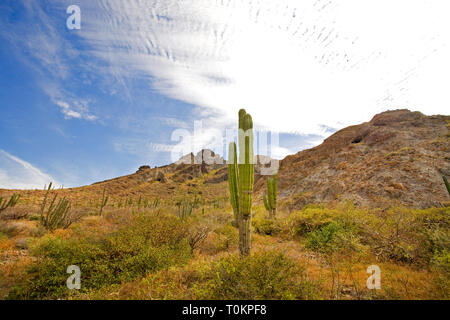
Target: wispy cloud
x,y
78,111
16,173
296,66
37,40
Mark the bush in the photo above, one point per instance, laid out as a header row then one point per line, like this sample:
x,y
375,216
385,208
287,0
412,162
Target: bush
x,y
264,275
309,219
406,235
441,265
333,237
265,226
144,245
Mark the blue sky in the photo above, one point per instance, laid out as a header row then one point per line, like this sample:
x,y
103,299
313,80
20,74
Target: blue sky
x,y
79,106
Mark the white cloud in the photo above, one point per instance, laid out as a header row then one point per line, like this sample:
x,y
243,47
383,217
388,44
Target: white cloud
x,y
295,66
16,173
69,111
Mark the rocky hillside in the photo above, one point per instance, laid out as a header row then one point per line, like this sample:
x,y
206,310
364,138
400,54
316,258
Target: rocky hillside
x,y
399,156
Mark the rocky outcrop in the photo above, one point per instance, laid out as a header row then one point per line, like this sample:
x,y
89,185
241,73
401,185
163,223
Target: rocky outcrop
x,y
399,156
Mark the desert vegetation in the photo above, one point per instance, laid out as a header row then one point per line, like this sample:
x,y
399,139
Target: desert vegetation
x,y
185,234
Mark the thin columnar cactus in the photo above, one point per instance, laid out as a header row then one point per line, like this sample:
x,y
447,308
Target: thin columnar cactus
x,y
446,183
139,202
104,201
184,209
5,203
146,203
233,181
156,202
57,215
271,201
241,179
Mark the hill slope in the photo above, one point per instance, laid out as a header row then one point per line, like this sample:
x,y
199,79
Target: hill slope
x,y
398,156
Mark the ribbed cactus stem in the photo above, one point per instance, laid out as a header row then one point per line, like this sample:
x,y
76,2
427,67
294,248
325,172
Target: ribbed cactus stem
x,y
275,194
233,180
241,179
246,170
446,183
270,202
266,203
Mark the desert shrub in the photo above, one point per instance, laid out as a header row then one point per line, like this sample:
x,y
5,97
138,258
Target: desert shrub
x,y
12,229
309,219
263,225
333,237
197,235
14,213
221,239
144,245
263,275
229,234
441,265
406,235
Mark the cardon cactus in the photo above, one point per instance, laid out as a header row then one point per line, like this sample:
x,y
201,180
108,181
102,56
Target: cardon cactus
x,y
270,202
241,179
446,183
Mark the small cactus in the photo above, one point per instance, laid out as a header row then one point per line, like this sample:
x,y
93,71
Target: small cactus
x,y
270,202
56,215
184,209
104,201
139,203
156,202
5,203
446,183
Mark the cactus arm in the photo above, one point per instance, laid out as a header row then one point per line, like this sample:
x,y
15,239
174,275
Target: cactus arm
x,y
4,203
266,203
446,183
270,192
275,193
233,179
246,169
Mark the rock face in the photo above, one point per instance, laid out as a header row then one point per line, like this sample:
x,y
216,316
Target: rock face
x,y
143,168
161,177
190,166
397,157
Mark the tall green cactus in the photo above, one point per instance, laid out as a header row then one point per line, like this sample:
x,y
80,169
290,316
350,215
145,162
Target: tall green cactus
x,y
271,202
104,201
446,183
5,203
241,179
233,181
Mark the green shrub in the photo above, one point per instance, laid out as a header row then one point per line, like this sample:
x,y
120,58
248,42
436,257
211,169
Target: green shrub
x,y
144,245
262,225
309,219
264,275
441,265
333,237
